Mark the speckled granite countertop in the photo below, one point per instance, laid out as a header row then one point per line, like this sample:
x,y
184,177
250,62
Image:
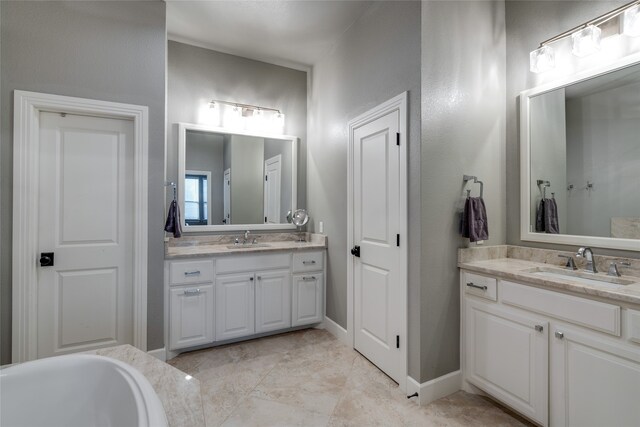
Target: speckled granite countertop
x,y
198,246
519,263
178,392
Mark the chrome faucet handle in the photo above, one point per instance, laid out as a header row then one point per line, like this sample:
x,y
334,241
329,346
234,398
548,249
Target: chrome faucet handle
x,y
255,240
613,268
571,264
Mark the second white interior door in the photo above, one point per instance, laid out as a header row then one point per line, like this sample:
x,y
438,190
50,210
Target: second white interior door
x,y
379,306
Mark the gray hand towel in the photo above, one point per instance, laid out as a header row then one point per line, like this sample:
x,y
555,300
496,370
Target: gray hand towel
x,y
551,224
474,220
173,220
540,217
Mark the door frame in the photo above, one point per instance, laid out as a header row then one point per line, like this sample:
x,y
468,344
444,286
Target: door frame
x,y
397,103
26,142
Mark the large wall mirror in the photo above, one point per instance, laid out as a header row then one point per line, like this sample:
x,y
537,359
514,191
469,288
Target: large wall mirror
x,y
580,159
235,180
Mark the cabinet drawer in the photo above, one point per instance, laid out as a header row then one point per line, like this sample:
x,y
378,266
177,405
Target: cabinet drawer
x,y
239,264
308,261
191,271
481,286
580,311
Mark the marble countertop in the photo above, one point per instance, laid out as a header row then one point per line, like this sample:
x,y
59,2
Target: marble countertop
x,y
198,246
507,262
178,392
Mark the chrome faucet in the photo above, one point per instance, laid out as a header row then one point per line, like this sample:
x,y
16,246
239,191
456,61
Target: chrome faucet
x,y
587,254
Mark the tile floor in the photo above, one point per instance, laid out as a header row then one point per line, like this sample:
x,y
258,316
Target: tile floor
x,y
308,378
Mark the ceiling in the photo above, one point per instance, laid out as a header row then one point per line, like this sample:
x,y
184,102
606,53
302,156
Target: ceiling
x,y
291,33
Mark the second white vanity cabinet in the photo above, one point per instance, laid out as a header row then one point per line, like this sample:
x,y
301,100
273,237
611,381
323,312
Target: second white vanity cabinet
x,y
273,300
235,310
558,359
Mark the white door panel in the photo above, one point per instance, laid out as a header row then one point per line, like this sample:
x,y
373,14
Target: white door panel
x,y
86,220
235,302
226,191
272,189
273,301
378,305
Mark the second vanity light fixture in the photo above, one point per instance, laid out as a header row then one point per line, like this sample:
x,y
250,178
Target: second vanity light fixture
x,y
586,37
235,115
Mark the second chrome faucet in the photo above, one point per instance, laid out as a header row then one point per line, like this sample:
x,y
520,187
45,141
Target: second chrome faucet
x,y
587,254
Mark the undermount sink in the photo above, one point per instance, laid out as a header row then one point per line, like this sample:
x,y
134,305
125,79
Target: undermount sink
x,y
248,245
580,277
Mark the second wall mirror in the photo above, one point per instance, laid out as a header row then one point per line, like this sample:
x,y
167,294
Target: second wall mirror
x,y
235,180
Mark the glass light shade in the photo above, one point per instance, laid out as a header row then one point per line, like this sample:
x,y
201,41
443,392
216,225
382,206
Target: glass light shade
x,y
630,22
542,59
586,41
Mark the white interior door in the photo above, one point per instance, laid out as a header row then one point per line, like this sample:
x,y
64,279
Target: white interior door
x,y
226,190
379,307
272,188
86,214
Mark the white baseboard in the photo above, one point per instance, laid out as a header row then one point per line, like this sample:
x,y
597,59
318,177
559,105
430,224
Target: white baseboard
x,y
160,354
336,330
436,388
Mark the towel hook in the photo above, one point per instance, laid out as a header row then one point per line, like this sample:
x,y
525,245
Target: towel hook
x,y
475,179
173,185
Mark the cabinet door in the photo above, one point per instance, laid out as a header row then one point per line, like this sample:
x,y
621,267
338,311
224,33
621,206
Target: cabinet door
x,y
307,299
234,306
506,354
191,316
594,381
273,301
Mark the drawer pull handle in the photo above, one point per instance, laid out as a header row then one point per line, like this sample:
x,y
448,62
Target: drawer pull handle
x,y
309,279
472,285
559,335
192,273
539,328
191,292
309,262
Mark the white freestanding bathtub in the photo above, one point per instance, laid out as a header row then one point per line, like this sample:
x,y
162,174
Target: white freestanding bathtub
x,y
78,390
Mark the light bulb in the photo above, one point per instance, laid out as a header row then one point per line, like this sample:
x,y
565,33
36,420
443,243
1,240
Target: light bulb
x,y
630,21
542,59
586,41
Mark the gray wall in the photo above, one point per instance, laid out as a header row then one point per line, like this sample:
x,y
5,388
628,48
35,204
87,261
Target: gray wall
x,y
603,146
463,70
197,75
247,164
205,152
528,23
375,60
273,147
549,152
112,51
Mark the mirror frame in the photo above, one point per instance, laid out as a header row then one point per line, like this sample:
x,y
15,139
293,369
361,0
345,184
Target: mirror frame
x,y
525,166
182,143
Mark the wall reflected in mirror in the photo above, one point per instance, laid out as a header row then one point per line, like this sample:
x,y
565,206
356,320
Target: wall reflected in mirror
x,y
585,157
233,179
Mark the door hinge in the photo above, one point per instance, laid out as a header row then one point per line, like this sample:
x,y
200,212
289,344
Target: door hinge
x,y
265,219
397,240
397,138
397,341
266,178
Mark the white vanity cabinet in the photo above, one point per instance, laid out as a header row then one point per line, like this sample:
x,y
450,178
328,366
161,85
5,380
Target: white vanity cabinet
x,y
308,288
507,356
230,297
558,359
595,381
190,303
235,306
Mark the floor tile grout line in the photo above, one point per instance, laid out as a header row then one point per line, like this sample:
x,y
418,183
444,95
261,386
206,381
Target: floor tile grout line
x,y
344,391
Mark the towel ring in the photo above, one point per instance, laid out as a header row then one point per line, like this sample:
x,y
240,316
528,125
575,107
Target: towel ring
x,y
467,178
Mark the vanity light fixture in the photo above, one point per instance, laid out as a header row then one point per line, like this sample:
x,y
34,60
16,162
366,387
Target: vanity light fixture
x,y
630,21
586,41
249,117
586,37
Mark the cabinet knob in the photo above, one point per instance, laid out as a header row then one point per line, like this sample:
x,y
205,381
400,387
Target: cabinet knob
x,y
539,328
259,277
559,335
251,279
